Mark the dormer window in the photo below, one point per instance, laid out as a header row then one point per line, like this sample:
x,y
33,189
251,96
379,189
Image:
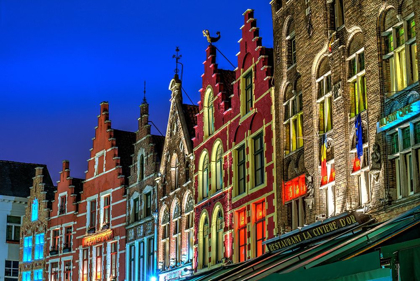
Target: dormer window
x,y
208,113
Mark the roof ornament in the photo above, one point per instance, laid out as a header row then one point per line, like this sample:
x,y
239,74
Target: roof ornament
x,y
210,39
144,93
177,57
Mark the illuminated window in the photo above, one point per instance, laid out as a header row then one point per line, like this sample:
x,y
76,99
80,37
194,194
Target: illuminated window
x,y
293,192
190,244
208,113
324,97
337,15
219,168
401,57
178,250
141,261
205,178
55,271
27,249
219,236
357,79
293,118
35,209
242,236
174,172
113,269
67,238
55,240
37,275
62,204
39,246
241,170
291,43
98,262
85,264
92,214
13,228
26,276
11,270
67,271
148,207
260,228
249,100
151,257
106,210
205,240
132,270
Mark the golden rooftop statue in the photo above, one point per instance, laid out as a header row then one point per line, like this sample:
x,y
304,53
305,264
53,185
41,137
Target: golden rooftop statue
x,y
206,33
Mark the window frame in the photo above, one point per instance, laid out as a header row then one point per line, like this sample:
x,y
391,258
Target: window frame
x,y
259,165
260,220
242,231
241,167
248,91
15,229
324,85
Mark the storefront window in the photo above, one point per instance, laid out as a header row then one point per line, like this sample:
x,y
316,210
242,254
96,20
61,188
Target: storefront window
x,y
260,228
242,236
85,264
417,132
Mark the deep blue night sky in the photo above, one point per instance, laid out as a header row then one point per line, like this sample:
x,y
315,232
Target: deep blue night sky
x,y
61,58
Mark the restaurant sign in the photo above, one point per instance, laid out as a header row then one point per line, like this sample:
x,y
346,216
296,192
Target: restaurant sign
x,y
319,231
398,116
98,238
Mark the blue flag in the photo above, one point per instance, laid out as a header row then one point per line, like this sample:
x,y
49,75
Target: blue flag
x,y
359,135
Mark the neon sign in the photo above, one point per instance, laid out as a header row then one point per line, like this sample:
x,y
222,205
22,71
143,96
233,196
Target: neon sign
x,y
294,188
398,116
97,238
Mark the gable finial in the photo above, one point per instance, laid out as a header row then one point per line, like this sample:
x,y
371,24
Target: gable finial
x,y
144,93
177,57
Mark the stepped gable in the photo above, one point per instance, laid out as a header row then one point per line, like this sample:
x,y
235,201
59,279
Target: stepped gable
x,y
67,182
106,138
251,43
17,177
190,112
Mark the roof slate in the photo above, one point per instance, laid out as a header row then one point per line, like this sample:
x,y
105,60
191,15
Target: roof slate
x,y
190,111
16,178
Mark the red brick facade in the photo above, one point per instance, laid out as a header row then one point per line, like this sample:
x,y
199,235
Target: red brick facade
x,y
234,176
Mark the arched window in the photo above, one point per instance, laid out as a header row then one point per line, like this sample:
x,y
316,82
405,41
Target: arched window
x,y
293,118
356,76
324,101
165,240
176,218
189,224
205,178
205,239
400,52
291,45
219,168
219,236
35,208
209,113
141,167
174,172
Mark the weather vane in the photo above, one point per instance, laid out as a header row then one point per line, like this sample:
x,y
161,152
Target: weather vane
x,y
210,39
144,92
177,57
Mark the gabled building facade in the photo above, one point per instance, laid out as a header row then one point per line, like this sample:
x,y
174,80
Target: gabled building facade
x,y
34,227
142,206
60,236
100,235
234,175
175,194
346,76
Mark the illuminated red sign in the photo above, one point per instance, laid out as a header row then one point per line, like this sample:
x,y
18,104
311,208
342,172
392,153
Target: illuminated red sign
x,y
294,188
98,238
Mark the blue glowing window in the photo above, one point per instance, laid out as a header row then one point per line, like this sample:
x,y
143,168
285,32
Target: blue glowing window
x,y
27,249
39,246
35,210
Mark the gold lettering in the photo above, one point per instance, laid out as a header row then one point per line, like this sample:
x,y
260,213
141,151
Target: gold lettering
x,y
353,219
316,233
343,222
334,224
